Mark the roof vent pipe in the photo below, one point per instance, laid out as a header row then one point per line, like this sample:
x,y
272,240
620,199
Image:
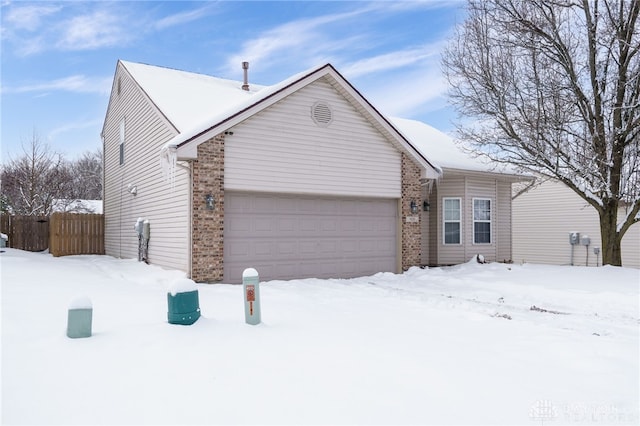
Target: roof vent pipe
x,y
245,67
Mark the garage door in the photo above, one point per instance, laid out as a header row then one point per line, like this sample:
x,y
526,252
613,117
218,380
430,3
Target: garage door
x,y
287,237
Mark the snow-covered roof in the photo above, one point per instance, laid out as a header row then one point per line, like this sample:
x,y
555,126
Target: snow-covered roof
x,y
237,104
442,148
191,102
187,98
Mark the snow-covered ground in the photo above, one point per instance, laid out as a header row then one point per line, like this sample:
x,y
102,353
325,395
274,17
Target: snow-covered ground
x,y
470,344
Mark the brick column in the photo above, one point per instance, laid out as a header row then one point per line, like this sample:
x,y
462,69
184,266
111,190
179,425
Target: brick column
x,y
208,225
411,231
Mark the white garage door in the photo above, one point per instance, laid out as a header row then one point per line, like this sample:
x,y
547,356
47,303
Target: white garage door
x,y
286,237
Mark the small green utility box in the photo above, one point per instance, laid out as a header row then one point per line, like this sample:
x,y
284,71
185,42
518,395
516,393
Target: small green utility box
x,y
184,308
79,318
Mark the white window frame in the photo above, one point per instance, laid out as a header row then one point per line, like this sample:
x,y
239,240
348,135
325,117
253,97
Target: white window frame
x,y
122,139
489,221
445,220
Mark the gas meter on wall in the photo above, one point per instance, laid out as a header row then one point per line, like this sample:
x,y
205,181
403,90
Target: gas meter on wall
x,y
138,226
143,229
574,238
146,230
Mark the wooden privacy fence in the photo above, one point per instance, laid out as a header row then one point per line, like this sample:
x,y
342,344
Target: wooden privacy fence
x,y
72,233
26,232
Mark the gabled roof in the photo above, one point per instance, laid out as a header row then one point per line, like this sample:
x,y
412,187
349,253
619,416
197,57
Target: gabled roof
x,y
200,106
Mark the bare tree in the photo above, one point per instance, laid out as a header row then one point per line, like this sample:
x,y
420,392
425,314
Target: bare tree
x,y
553,87
87,176
41,181
32,182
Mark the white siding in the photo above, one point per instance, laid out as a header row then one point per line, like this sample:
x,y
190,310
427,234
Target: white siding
x,y
166,208
543,219
281,149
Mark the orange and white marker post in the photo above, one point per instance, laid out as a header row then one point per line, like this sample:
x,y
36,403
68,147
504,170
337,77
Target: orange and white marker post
x,y
251,293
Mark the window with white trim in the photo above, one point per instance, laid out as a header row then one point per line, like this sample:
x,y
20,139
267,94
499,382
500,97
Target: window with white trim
x,y
452,226
122,141
481,221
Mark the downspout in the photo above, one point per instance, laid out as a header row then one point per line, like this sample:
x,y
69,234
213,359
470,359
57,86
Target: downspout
x,y
190,215
399,237
465,222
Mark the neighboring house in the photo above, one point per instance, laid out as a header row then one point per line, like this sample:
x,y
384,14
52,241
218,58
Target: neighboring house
x,y
543,218
304,178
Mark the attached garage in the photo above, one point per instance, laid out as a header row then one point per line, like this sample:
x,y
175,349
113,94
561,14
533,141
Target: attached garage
x,y
304,178
295,236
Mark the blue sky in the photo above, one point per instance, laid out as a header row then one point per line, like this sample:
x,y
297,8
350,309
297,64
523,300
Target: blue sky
x,y
58,58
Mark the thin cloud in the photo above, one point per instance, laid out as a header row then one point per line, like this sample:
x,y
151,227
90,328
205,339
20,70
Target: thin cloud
x,y
339,38
37,28
102,28
29,17
393,60
18,20
402,6
74,83
182,18
72,127
417,90
302,36
31,46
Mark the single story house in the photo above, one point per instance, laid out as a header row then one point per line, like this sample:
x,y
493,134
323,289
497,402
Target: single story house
x,y
543,218
304,178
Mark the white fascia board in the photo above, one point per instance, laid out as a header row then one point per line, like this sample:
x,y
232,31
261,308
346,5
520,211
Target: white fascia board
x,y
188,150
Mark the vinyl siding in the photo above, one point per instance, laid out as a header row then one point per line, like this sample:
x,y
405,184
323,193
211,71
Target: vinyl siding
x,y
467,188
281,149
503,222
452,253
167,208
543,218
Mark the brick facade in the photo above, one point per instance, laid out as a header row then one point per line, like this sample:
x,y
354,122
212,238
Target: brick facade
x,y
208,225
411,231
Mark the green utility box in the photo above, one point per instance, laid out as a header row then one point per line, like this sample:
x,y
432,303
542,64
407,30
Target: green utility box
x,y
79,318
184,308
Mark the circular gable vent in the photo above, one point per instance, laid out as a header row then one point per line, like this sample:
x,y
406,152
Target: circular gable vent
x,y
321,113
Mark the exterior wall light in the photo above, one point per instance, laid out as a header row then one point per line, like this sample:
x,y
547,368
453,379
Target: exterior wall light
x,y
414,207
208,200
426,206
